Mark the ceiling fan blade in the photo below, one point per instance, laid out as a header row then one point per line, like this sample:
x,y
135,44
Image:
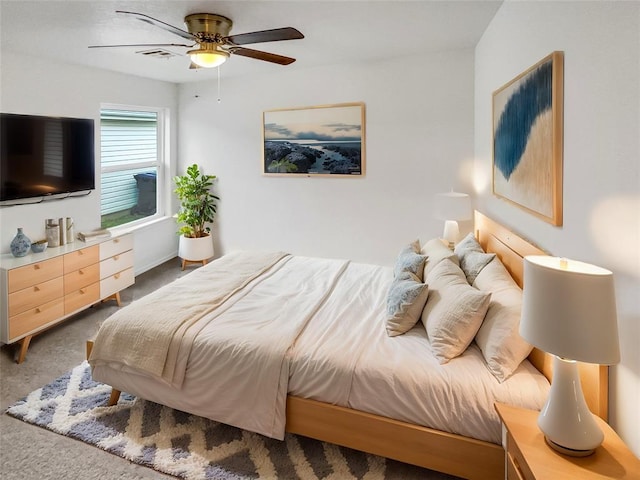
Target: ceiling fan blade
x,y
144,45
277,34
160,23
258,55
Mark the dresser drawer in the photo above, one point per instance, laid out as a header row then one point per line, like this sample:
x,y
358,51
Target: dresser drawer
x,y
116,282
81,298
81,278
29,275
81,258
115,246
34,296
116,264
34,318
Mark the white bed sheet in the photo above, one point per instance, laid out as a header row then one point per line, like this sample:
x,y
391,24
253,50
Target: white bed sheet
x,y
343,356
346,358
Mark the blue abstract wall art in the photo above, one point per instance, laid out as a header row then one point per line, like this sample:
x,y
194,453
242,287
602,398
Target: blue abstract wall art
x,y
527,140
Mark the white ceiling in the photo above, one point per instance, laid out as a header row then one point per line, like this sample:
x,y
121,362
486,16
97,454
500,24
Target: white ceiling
x,y
335,31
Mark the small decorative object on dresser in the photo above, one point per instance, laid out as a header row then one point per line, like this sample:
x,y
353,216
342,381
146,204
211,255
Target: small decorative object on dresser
x,y
197,208
528,456
20,244
39,246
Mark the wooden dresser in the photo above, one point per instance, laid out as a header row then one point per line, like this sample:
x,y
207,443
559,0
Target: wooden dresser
x,y
42,289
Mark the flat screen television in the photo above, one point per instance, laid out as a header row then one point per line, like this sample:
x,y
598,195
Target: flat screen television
x,y
44,156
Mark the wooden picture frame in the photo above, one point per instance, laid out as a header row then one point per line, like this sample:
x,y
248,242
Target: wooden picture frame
x,y
528,138
321,141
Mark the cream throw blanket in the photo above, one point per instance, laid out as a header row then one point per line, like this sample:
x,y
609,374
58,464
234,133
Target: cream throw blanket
x,y
145,337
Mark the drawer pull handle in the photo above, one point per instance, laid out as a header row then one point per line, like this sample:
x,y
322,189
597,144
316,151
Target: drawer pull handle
x,y
38,310
80,252
36,266
36,289
116,240
116,276
80,272
116,257
82,291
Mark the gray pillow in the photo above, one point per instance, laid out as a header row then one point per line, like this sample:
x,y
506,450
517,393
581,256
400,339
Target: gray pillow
x,y
405,301
410,260
472,257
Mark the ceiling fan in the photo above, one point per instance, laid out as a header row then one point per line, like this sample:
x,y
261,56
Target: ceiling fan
x,y
210,33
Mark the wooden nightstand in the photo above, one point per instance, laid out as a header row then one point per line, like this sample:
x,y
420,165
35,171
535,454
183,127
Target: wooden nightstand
x,y
528,457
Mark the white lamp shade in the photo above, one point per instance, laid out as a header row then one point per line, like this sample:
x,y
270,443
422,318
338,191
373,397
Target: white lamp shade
x,y
569,310
453,206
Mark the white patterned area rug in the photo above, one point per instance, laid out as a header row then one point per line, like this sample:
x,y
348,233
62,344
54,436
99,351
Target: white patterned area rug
x,y
192,447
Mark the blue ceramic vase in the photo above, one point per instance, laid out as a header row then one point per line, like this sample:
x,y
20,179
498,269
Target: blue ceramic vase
x,y
20,244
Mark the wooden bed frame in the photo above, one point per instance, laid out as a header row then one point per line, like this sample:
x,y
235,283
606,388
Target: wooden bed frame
x,y
425,447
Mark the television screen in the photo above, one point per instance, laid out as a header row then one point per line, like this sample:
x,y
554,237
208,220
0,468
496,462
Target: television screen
x,y
43,156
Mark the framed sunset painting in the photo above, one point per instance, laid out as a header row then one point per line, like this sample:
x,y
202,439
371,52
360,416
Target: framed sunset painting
x,y
325,141
527,139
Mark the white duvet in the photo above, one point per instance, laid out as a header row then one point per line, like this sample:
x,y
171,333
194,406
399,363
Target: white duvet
x,y
314,328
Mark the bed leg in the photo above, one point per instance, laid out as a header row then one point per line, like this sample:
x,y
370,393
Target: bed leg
x,y
115,396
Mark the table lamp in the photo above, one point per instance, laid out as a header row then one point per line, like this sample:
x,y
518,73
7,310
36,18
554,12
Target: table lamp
x,y
569,310
452,207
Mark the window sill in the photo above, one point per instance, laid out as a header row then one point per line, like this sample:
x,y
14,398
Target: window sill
x,y
143,224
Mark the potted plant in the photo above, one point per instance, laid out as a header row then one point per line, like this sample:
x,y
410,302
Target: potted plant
x,y
197,209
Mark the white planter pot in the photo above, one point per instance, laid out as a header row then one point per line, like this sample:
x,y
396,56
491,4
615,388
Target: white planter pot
x,y
195,249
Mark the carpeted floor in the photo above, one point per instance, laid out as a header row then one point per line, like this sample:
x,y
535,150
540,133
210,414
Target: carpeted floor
x,y
28,452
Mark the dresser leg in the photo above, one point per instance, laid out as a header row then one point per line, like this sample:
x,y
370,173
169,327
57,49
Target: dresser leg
x,y
24,346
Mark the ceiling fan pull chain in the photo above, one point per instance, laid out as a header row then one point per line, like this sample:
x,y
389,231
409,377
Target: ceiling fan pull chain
x,y
218,83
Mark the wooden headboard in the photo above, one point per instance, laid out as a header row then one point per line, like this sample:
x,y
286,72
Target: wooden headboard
x,y
510,248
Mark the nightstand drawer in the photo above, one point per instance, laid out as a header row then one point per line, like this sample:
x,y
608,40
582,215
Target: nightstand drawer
x,y
513,469
33,296
115,246
116,282
35,317
516,462
81,298
81,258
81,278
115,264
29,275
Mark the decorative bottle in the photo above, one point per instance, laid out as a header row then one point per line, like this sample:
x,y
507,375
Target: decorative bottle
x,y
20,244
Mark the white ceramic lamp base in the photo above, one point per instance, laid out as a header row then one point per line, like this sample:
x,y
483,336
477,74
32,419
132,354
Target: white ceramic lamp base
x,y
565,420
451,232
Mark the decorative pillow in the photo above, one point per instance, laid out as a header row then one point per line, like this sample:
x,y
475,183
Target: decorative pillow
x,y
454,311
405,301
472,257
502,346
410,260
436,251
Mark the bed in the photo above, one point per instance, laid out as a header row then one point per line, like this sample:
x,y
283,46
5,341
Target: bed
x,y
283,354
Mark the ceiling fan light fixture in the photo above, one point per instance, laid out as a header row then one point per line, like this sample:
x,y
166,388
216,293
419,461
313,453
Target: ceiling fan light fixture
x,y
208,57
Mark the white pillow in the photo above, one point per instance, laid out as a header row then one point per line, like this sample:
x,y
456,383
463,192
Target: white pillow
x,y
405,301
472,257
502,346
454,311
436,251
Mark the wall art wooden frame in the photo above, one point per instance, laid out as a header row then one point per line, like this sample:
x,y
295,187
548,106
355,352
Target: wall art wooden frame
x,y
320,141
528,139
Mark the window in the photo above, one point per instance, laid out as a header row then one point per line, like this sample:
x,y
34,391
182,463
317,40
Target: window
x,y
131,165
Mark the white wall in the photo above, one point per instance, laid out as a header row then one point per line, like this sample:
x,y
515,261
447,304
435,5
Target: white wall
x,y
419,130
40,87
601,44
